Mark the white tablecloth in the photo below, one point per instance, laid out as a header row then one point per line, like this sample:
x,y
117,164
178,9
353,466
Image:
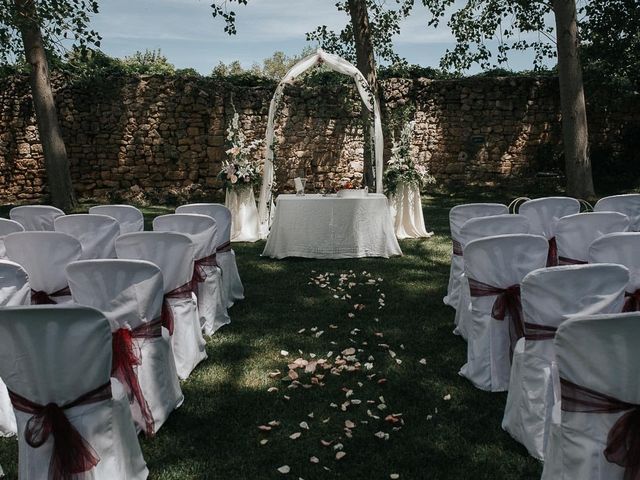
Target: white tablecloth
x,y
244,215
315,226
406,207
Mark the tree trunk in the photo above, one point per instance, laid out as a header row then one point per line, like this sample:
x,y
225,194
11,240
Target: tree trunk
x,y
366,63
574,114
55,153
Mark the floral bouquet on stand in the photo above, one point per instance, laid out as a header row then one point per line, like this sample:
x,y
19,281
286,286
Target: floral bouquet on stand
x,y
240,169
401,168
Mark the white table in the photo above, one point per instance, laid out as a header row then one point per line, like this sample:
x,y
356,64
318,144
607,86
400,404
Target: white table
x,y
318,226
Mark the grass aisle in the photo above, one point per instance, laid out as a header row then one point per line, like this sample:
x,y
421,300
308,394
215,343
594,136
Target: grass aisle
x,y
445,428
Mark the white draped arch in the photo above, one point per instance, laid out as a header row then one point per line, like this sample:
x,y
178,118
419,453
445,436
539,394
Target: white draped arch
x,y
337,64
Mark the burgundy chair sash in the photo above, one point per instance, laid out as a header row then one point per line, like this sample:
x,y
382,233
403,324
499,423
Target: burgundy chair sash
x,y
535,331
623,440
38,297
71,455
631,301
127,356
199,272
184,292
457,248
507,302
225,247
570,261
552,256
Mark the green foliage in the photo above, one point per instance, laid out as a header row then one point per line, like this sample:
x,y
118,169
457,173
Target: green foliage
x,y
385,24
611,44
59,20
477,23
404,70
149,62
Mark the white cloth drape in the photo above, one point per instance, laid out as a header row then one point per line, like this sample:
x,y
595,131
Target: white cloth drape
x,y
339,65
406,207
244,215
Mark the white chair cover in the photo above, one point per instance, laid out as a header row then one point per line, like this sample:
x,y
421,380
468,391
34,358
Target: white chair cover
x,y
35,217
600,353
244,215
41,361
543,213
501,261
458,215
96,233
406,208
130,218
474,229
129,293
7,227
549,297
45,255
628,204
575,233
226,257
174,254
201,229
14,291
622,248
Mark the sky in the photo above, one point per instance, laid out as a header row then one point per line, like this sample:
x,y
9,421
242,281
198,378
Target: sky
x,y
189,36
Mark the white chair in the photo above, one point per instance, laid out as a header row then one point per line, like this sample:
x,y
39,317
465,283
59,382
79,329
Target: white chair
x,y
598,374
201,229
130,218
14,291
628,204
623,249
458,215
35,217
130,294
549,297
543,213
96,233
45,255
575,233
494,268
226,257
174,254
56,362
474,229
7,227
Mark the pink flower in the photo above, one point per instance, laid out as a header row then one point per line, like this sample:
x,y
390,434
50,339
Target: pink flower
x,y
231,169
234,179
233,151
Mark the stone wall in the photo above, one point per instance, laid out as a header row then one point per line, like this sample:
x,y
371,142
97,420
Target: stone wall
x,y
163,138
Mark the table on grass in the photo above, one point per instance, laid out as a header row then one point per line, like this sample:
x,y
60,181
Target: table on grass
x,y
326,226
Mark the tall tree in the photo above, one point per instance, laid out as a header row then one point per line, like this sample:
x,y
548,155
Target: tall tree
x,y
366,63
32,28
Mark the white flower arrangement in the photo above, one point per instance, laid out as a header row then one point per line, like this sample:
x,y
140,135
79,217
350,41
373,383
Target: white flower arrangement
x,y
240,169
401,167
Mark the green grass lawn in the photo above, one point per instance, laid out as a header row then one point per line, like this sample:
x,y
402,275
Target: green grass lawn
x,y
444,427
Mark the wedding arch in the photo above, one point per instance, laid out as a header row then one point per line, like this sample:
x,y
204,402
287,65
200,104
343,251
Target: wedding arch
x,y
336,64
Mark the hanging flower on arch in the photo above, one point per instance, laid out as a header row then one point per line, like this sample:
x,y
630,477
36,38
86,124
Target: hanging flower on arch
x,y
240,169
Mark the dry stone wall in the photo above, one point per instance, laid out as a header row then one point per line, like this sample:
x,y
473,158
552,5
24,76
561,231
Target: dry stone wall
x,y
153,138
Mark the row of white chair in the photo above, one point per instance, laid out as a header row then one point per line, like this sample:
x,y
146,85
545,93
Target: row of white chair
x,y
501,270
136,296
